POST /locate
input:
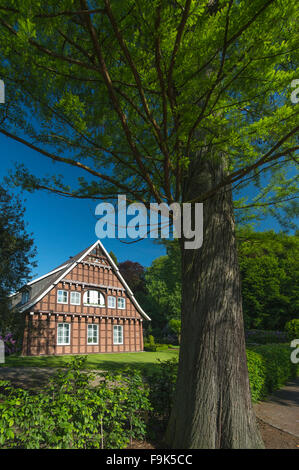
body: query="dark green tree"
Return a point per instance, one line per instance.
(16, 253)
(270, 278)
(184, 101)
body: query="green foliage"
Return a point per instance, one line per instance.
(175, 326)
(16, 258)
(150, 344)
(70, 413)
(162, 382)
(270, 278)
(265, 337)
(292, 328)
(269, 368)
(163, 285)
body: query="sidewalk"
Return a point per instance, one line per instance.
(281, 409)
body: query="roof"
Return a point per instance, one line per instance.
(42, 285)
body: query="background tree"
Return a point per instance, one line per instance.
(186, 101)
(270, 277)
(16, 254)
(176, 326)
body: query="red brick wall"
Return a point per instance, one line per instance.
(40, 335)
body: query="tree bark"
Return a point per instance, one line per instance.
(212, 406)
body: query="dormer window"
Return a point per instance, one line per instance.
(25, 296)
(94, 298)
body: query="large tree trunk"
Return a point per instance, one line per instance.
(212, 407)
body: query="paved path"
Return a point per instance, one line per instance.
(282, 408)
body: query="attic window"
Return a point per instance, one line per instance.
(94, 298)
(25, 296)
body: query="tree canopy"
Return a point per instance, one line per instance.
(16, 250)
(128, 94)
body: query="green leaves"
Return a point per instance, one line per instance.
(71, 412)
(151, 88)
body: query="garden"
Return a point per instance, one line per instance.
(113, 400)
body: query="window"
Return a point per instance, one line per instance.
(62, 296)
(25, 296)
(111, 301)
(75, 298)
(121, 302)
(117, 334)
(63, 333)
(94, 298)
(92, 334)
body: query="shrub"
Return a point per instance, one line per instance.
(292, 329)
(162, 385)
(69, 413)
(265, 336)
(9, 344)
(150, 345)
(269, 368)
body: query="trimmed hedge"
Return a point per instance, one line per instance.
(269, 368)
(265, 336)
(292, 329)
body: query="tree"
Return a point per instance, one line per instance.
(133, 274)
(163, 289)
(186, 101)
(113, 257)
(270, 278)
(176, 326)
(16, 253)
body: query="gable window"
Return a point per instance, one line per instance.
(94, 298)
(75, 298)
(92, 334)
(118, 334)
(111, 301)
(25, 296)
(62, 296)
(63, 333)
(121, 302)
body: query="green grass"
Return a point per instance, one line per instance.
(108, 362)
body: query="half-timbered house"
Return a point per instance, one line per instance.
(83, 306)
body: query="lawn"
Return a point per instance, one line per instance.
(109, 362)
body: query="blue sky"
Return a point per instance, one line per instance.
(62, 227)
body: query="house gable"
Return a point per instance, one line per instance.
(92, 268)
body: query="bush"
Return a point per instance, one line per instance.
(9, 344)
(69, 413)
(292, 329)
(269, 368)
(265, 336)
(162, 385)
(150, 345)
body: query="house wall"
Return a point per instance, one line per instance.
(40, 334)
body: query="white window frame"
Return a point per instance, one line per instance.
(85, 296)
(110, 297)
(118, 328)
(92, 336)
(124, 303)
(63, 334)
(75, 294)
(67, 296)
